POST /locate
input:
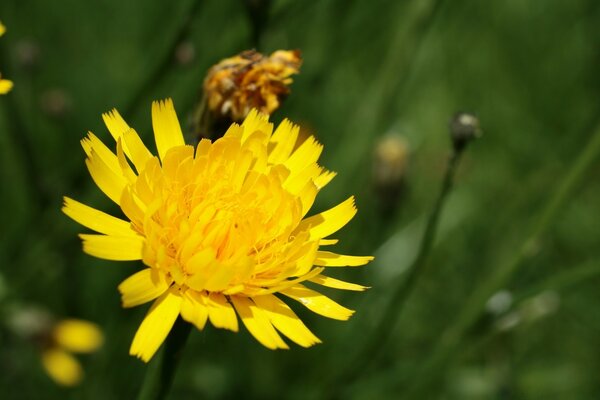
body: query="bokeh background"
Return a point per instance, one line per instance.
(528, 69)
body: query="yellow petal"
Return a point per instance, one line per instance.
(156, 326)
(108, 181)
(115, 123)
(78, 336)
(307, 153)
(2, 29)
(220, 312)
(285, 137)
(330, 221)
(318, 303)
(5, 86)
(324, 178)
(143, 286)
(284, 319)
(167, 132)
(117, 248)
(91, 142)
(256, 121)
(336, 283)
(329, 259)
(257, 323)
(62, 367)
(96, 220)
(194, 310)
(327, 242)
(139, 153)
(124, 166)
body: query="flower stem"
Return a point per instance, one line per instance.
(160, 372)
(449, 343)
(404, 289)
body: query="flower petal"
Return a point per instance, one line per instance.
(194, 310)
(284, 138)
(167, 131)
(96, 220)
(115, 123)
(111, 183)
(336, 283)
(78, 336)
(318, 303)
(139, 153)
(257, 323)
(142, 287)
(91, 142)
(62, 367)
(117, 248)
(307, 153)
(330, 221)
(285, 320)
(156, 326)
(220, 312)
(329, 259)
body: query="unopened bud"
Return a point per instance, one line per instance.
(28, 54)
(55, 103)
(389, 167)
(464, 127)
(185, 53)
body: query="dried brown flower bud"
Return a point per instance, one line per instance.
(250, 80)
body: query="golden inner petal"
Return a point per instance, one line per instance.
(211, 225)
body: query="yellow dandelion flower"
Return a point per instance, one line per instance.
(5, 84)
(250, 80)
(69, 336)
(221, 227)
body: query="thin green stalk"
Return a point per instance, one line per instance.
(398, 299)
(161, 370)
(474, 306)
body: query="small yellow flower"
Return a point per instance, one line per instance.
(221, 227)
(5, 84)
(69, 336)
(250, 80)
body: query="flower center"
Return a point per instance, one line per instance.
(214, 227)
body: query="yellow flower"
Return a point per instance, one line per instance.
(69, 336)
(5, 84)
(250, 80)
(221, 227)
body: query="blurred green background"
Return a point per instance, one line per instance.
(528, 69)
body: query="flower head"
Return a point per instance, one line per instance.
(5, 84)
(221, 227)
(250, 80)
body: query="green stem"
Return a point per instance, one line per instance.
(160, 372)
(449, 342)
(404, 289)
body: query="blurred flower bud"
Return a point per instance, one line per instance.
(464, 127)
(185, 52)
(541, 305)
(250, 80)
(55, 103)
(28, 54)
(30, 323)
(499, 303)
(389, 167)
